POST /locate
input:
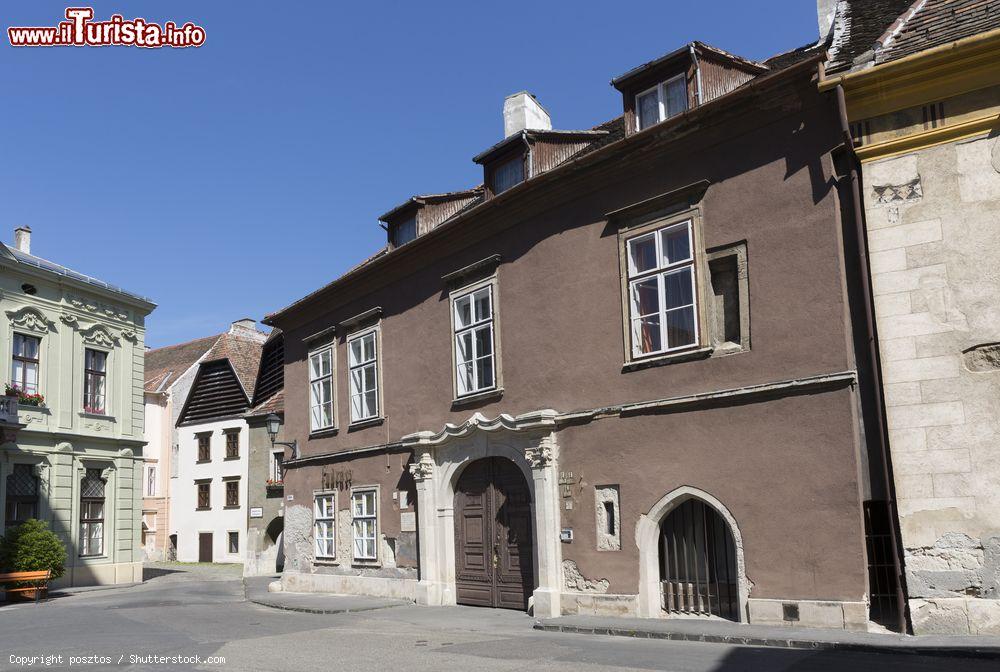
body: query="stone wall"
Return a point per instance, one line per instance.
(934, 236)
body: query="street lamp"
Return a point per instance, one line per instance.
(273, 424)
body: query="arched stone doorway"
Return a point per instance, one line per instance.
(698, 563)
(494, 550)
(672, 516)
(274, 532)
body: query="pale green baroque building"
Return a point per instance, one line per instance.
(75, 460)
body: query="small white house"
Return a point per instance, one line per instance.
(208, 494)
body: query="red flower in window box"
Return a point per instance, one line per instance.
(23, 398)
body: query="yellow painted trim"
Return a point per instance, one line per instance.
(925, 139)
(965, 65)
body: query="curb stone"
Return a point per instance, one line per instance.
(812, 645)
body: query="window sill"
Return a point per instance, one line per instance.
(364, 424)
(202, 461)
(322, 433)
(367, 564)
(203, 508)
(478, 397)
(230, 507)
(326, 562)
(32, 407)
(230, 459)
(97, 416)
(668, 358)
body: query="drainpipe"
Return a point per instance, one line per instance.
(866, 294)
(697, 71)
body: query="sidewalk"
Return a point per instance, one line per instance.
(698, 630)
(313, 603)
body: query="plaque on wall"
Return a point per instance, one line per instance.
(256, 512)
(408, 521)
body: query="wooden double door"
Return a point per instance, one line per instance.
(494, 555)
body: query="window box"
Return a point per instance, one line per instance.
(271, 486)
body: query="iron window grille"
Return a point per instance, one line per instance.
(22, 495)
(204, 448)
(204, 496)
(232, 445)
(232, 493)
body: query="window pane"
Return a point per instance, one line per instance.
(678, 288)
(646, 297)
(649, 109)
(483, 310)
(370, 404)
(675, 97)
(464, 347)
(357, 381)
(369, 377)
(465, 378)
(642, 253)
(31, 378)
(463, 312)
(680, 327)
(676, 244)
(356, 352)
(484, 341)
(646, 334)
(369, 347)
(357, 409)
(484, 371)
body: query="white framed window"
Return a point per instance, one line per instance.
(665, 100)
(24, 364)
(321, 388)
(362, 360)
(662, 298)
(364, 514)
(277, 466)
(151, 473)
(324, 524)
(475, 341)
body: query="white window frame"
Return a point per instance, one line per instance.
(151, 472)
(365, 515)
(375, 334)
(330, 519)
(313, 404)
(273, 463)
(662, 269)
(38, 362)
(661, 97)
(492, 322)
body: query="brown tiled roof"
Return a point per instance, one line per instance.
(243, 352)
(274, 404)
(857, 26)
(165, 365)
(931, 23)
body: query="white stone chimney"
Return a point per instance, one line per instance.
(22, 239)
(247, 328)
(522, 111)
(826, 11)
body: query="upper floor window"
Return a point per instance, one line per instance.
(232, 492)
(661, 290)
(24, 371)
(151, 480)
(475, 365)
(404, 231)
(508, 174)
(232, 444)
(663, 101)
(321, 389)
(94, 380)
(204, 494)
(277, 471)
(363, 373)
(204, 448)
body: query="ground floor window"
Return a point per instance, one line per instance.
(234, 542)
(324, 525)
(92, 513)
(22, 495)
(365, 525)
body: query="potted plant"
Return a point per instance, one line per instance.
(23, 398)
(32, 547)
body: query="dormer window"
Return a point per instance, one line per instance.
(508, 174)
(665, 100)
(404, 231)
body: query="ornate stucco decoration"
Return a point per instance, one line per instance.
(100, 335)
(42, 471)
(30, 318)
(423, 468)
(92, 306)
(534, 420)
(69, 320)
(130, 335)
(542, 454)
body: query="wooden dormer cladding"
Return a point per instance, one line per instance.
(707, 72)
(428, 212)
(216, 393)
(271, 376)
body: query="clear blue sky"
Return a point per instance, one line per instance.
(229, 180)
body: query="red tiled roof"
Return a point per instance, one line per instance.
(932, 23)
(165, 365)
(243, 349)
(274, 404)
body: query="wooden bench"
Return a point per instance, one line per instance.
(38, 581)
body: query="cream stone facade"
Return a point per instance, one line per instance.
(75, 450)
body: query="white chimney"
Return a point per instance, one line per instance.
(22, 239)
(826, 11)
(522, 111)
(245, 323)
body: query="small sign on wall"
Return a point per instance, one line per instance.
(407, 521)
(256, 512)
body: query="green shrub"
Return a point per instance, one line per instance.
(31, 547)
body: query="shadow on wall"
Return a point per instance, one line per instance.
(742, 658)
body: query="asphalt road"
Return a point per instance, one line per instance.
(199, 611)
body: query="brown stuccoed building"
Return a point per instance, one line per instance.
(625, 375)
